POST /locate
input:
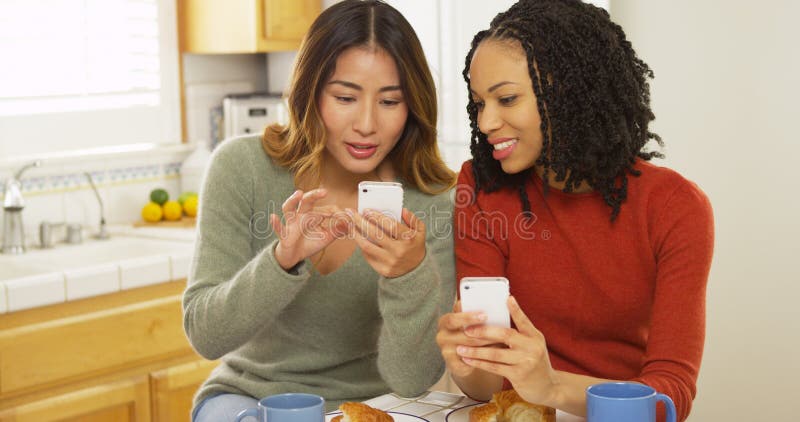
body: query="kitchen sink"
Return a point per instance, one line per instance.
(130, 259)
(92, 252)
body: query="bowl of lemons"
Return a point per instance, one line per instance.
(161, 209)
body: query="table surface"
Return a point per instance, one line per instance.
(434, 406)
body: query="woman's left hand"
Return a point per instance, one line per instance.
(393, 248)
(524, 362)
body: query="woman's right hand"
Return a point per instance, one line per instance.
(307, 229)
(451, 335)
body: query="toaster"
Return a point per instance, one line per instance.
(251, 113)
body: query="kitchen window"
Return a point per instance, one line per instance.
(83, 74)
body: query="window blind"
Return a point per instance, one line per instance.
(81, 74)
(70, 55)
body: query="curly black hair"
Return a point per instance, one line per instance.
(594, 100)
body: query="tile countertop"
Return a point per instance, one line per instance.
(130, 258)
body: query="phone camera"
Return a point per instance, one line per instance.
(364, 190)
(466, 287)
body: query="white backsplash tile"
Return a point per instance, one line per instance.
(123, 203)
(81, 207)
(38, 208)
(39, 290)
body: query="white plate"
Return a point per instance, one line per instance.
(462, 415)
(398, 417)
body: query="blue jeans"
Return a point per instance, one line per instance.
(222, 408)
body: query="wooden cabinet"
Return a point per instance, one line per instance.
(172, 389)
(117, 357)
(124, 400)
(244, 26)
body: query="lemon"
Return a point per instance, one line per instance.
(159, 196)
(152, 212)
(184, 196)
(172, 211)
(190, 206)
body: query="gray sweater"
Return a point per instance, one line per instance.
(347, 336)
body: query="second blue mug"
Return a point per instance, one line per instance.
(625, 402)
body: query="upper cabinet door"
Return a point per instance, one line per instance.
(244, 26)
(287, 20)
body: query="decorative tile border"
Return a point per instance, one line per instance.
(55, 183)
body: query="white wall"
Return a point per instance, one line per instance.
(725, 97)
(208, 78)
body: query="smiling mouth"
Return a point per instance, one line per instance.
(503, 145)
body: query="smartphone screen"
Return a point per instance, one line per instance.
(386, 197)
(486, 294)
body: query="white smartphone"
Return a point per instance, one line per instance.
(486, 294)
(386, 197)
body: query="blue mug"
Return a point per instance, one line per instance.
(287, 407)
(625, 402)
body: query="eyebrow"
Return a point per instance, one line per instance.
(495, 86)
(360, 88)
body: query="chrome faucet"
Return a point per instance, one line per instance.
(103, 233)
(13, 204)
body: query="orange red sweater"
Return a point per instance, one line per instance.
(621, 300)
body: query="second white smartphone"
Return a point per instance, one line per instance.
(386, 197)
(486, 294)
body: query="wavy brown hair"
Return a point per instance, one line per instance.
(299, 146)
(594, 103)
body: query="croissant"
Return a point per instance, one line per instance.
(360, 412)
(508, 406)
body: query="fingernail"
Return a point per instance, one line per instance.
(481, 317)
(470, 331)
(461, 350)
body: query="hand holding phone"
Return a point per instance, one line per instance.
(385, 197)
(392, 245)
(488, 295)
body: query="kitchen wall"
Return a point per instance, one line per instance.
(58, 191)
(725, 98)
(208, 78)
